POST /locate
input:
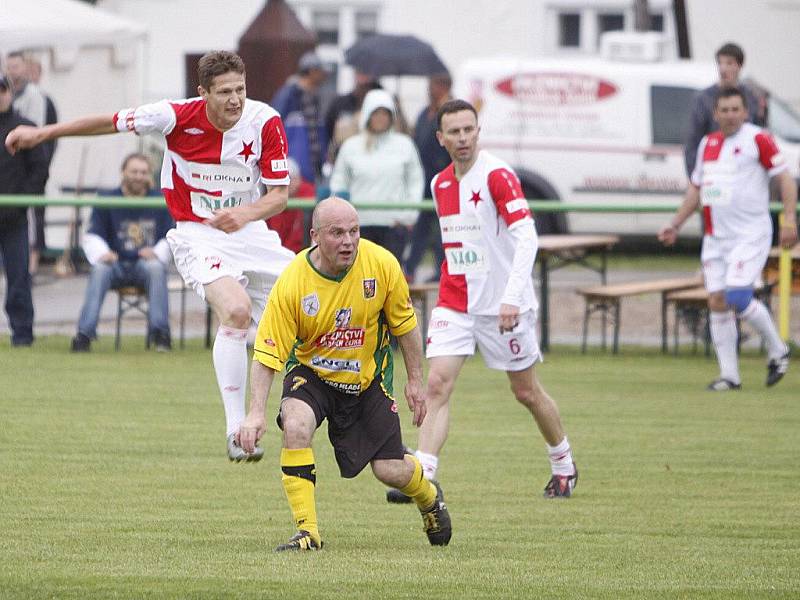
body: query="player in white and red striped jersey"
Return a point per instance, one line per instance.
(486, 294)
(222, 150)
(731, 180)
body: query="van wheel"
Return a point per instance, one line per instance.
(546, 222)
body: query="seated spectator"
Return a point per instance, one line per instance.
(127, 247)
(380, 165)
(290, 224)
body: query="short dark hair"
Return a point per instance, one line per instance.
(453, 106)
(16, 54)
(217, 62)
(135, 156)
(733, 50)
(730, 93)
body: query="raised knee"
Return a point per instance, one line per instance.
(739, 298)
(238, 314)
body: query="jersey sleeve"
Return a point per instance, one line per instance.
(274, 151)
(158, 117)
(697, 173)
(277, 330)
(769, 155)
(397, 307)
(508, 197)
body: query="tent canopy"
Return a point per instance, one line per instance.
(63, 26)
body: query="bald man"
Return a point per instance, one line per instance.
(328, 321)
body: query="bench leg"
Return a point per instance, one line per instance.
(120, 312)
(663, 322)
(586, 313)
(675, 328)
(616, 326)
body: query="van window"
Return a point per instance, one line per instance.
(670, 109)
(783, 121)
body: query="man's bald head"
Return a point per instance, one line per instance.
(330, 210)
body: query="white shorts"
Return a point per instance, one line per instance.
(253, 256)
(452, 333)
(732, 263)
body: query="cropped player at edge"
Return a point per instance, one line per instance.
(222, 149)
(328, 321)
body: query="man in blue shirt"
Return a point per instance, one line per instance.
(127, 247)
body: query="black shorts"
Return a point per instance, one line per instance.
(361, 427)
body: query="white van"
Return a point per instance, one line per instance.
(600, 130)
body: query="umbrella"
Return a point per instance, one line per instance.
(383, 54)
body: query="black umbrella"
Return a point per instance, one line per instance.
(384, 54)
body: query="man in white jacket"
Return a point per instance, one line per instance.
(380, 165)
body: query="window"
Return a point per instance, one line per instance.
(657, 22)
(366, 23)
(569, 30)
(326, 26)
(671, 110)
(782, 120)
(610, 22)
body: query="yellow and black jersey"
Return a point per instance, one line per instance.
(337, 326)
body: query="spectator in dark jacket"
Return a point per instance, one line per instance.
(730, 59)
(23, 173)
(127, 247)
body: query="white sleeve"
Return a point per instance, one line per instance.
(525, 246)
(158, 117)
(163, 252)
(94, 247)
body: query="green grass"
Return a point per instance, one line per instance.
(114, 484)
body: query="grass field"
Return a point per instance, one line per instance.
(114, 484)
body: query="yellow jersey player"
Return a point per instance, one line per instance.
(328, 321)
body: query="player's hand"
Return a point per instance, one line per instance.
(667, 235)
(23, 137)
(415, 396)
(109, 257)
(788, 235)
(227, 220)
(250, 432)
(508, 319)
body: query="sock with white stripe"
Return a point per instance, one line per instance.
(725, 336)
(561, 458)
(230, 364)
(429, 462)
(757, 315)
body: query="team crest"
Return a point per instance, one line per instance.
(342, 319)
(369, 288)
(310, 304)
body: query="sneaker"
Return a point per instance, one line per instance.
(776, 369)
(236, 452)
(81, 343)
(162, 341)
(301, 540)
(561, 486)
(723, 385)
(436, 521)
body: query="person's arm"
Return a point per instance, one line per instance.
(95, 243)
(25, 136)
(255, 423)
(268, 205)
(342, 177)
(697, 129)
(415, 176)
(411, 346)
(691, 200)
(37, 166)
(525, 244)
(788, 188)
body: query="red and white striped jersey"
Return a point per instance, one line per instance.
(205, 169)
(733, 176)
(478, 217)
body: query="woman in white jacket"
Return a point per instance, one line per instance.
(380, 165)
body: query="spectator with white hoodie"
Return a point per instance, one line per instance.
(380, 165)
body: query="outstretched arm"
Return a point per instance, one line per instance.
(25, 136)
(669, 233)
(411, 347)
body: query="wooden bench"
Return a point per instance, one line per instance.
(607, 299)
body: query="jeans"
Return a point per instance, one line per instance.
(427, 223)
(149, 274)
(19, 302)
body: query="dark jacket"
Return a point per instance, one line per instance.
(432, 155)
(23, 173)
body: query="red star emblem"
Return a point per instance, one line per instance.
(216, 265)
(428, 340)
(737, 150)
(476, 197)
(247, 151)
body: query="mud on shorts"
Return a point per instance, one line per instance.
(361, 427)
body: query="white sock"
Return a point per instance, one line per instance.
(724, 335)
(230, 364)
(429, 464)
(757, 315)
(561, 458)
